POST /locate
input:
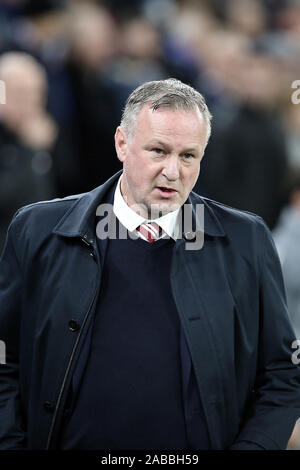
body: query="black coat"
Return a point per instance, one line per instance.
(230, 300)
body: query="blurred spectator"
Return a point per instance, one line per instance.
(294, 441)
(246, 160)
(222, 60)
(187, 35)
(27, 136)
(139, 57)
(93, 43)
(247, 16)
(242, 54)
(287, 240)
(291, 115)
(92, 35)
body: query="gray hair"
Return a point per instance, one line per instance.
(170, 93)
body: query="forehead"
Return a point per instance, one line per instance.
(166, 122)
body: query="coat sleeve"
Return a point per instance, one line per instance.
(12, 432)
(275, 405)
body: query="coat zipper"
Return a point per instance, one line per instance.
(92, 253)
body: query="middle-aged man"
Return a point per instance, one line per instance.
(122, 334)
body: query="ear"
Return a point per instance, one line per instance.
(121, 144)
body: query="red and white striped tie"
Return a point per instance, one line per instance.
(149, 232)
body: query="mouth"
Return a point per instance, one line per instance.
(165, 191)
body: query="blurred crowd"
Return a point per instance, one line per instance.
(69, 65)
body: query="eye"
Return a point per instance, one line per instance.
(188, 156)
(158, 151)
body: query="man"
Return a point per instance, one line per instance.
(147, 343)
(27, 137)
(286, 237)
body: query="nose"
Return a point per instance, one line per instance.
(171, 168)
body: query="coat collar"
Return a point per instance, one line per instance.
(78, 221)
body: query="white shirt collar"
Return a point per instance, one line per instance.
(131, 220)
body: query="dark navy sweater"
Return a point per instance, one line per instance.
(131, 391)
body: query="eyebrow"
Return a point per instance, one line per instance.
(162, 144)
(157, 142)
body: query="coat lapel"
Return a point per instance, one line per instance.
(206, 308)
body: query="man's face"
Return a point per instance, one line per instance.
(161, 161)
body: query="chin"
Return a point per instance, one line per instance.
(164, 208)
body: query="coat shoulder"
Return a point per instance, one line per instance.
(43, 215)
